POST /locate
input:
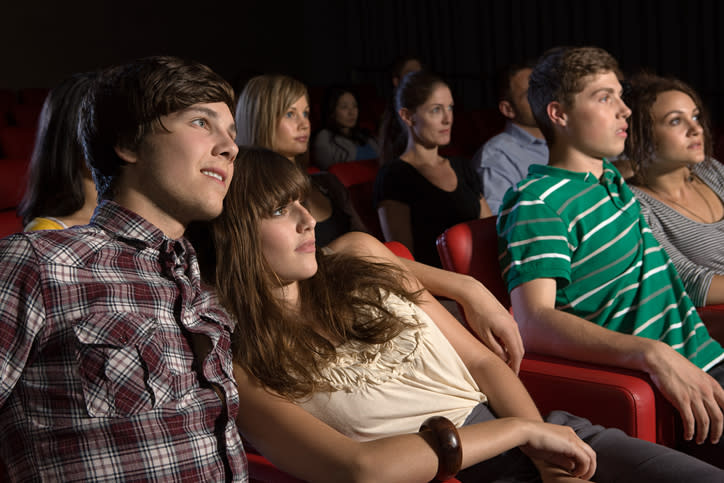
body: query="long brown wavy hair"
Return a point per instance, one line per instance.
(285, 348)
(640, 146)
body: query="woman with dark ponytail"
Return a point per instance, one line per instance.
(420, 194)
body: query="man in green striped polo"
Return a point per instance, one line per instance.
(588, 280)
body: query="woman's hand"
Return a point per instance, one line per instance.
(559, 446)
(495, 327)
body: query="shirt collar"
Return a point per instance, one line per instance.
(128, 225)
(521, 135)
(610, 173)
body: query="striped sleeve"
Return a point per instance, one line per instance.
(696, 278)
(533, 240)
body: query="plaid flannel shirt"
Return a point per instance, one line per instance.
(99, 379)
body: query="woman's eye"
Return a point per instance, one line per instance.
(279, 211)
(289, 114)
(675, 121)
(696, 117)
(306, 114)
(436, 109)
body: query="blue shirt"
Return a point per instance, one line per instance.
(504, 161)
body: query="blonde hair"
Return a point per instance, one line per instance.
(262, 103)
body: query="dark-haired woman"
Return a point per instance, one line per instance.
(680, 187)
(60, 192)
(342, 139)
(340, 358)
(421, 194)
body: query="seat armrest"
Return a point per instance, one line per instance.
(606, 395)
(261, 470)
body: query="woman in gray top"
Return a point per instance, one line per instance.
(680, 187)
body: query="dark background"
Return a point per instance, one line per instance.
(327, 41)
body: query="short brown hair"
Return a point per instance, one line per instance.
(127, 102)
(559, 75)
(640, 97)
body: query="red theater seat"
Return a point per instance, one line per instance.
(12, 186)
(359, 178)
(16, 142)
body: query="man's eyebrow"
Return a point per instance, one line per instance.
(203, 110)
(212, 114)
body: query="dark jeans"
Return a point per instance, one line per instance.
(620, 458)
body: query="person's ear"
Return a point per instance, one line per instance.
(126, 154)
(506, 109)
(406, 116)
(557, 114)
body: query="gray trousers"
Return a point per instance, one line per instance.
(620, 458)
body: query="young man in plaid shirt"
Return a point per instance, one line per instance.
(115, 364)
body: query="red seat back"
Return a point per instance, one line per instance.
(359, 178)
(12, 187)
(472, 248)
(17, 142)
(12, 182)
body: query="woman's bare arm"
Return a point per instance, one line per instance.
(300, 444)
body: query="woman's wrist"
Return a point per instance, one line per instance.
(447, 446)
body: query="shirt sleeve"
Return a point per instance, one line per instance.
(22, 312)
(696, 278)
(532, 240)
(392, 183)
(322, 150)
(498, 174)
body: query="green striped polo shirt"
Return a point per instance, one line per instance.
(589, 235)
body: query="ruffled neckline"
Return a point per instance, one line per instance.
(360, 365)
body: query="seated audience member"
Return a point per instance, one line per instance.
(341, 140)
(421, 194)
(504, 160)
(116, 364)
(588, 280)
(337, 391)
(392, 139)
(678, 185)
(273, 112)
(60, 190)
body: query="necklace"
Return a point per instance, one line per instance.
(668, 198)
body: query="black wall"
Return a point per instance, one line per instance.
(336, 40)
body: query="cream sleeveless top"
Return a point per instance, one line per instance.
(391, 388)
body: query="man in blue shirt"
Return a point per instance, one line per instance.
(504, 160)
